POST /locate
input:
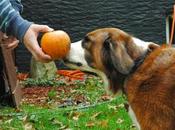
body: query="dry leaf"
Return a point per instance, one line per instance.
(8, 121)
(90, 124)
(76, 115)
(95, 115)
(22, 76)
(103, 123)
(24, 119)
(119, 121)
(112, 107)
(75, 118)
(68, 129)
(64, 127)
(121, 105)
(29, 126)
(56, 122)
(106, 97)
(60, 124)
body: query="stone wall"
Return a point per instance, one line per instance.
(144, 19)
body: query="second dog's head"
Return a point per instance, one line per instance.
(109, 50)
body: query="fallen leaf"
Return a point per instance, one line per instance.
(68, 129)
(24, 119)
(64, 127)
(112, 107)
(75, 118)
(17, 110)
(56, 122)
(103, 123)
(29, 126)
(76, 115)
(90, 124)
(119, 121)
(121, 105)
(8, 121)
(95, 115)
(22, 76)
(106, 97)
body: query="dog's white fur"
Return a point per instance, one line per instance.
(77, 53)
(133, 117)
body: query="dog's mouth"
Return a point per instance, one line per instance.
(71, 63)
(77, 65)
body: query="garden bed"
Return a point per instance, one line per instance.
(63, 91)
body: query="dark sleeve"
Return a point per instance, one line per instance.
(16, 4)
(11, 21)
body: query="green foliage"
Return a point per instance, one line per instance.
(52, 94)
(43, 82)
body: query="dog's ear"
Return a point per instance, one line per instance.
(152, 46)
(108, 43)
(109, 62)
(108, 53)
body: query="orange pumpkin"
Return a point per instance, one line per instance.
(56, 44)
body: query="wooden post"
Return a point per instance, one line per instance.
(10, 76)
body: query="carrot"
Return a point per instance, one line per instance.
(72, 74)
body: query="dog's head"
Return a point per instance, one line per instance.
(109, 50)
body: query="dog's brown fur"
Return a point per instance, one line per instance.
(150, 88)
(97, 45)
(151, 91)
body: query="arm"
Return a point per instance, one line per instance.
(16, 4)
(11, 22)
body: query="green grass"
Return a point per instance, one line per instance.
(94, 113)
(103, 116)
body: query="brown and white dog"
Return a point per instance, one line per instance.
(143, 70)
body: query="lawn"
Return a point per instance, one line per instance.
(64, 104)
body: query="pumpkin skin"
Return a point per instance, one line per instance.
(56, 44)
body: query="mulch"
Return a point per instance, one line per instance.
(60, 96)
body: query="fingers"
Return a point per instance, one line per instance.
(31, 43)
(9, 42)
(42, 57)
(42, 28)
(39, 55)
(13, 44)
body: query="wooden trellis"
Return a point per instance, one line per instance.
(10, 77)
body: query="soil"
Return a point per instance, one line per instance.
(60, 96)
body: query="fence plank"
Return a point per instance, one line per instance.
(11, 78)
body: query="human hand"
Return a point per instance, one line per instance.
(10, 42)
(31, 43)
